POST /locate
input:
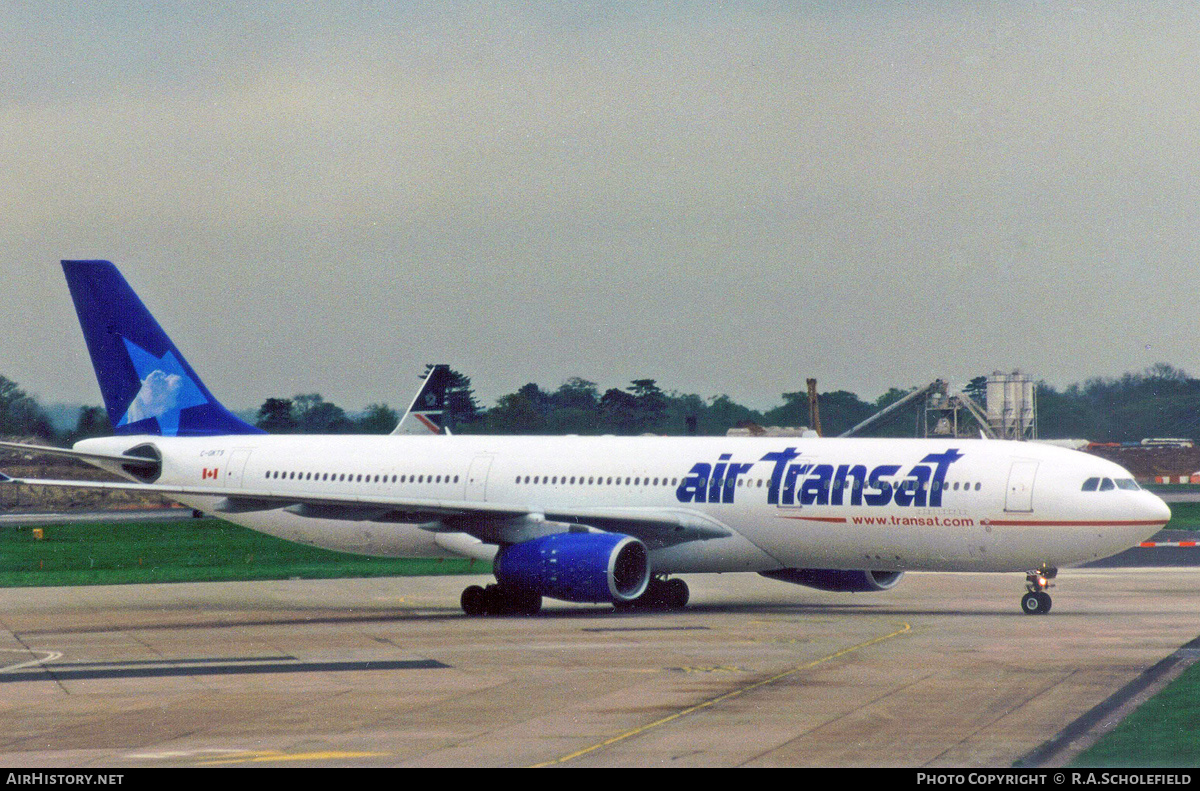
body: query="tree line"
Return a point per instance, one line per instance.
(1161, 401)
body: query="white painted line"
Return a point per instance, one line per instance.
(50, 657)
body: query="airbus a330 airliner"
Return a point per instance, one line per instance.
(601, 519)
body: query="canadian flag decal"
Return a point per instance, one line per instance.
(207, 473)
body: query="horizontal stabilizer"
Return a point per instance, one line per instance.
(136, 461)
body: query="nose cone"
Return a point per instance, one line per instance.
(1146, 518)
(1141, 519)
(1156, 510)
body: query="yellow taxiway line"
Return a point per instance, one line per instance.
(714, 701)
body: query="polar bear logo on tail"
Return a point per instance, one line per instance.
(159, 395)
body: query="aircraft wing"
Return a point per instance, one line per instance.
(490, 522)
(654, 526)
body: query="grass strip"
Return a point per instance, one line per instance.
(197, 550)
(1171, 488)
(1184, 516)
(110, 553)
(1160, 733)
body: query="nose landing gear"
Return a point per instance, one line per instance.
(1036, 601)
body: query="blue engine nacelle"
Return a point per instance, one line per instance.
(839, 580)
(579, 567)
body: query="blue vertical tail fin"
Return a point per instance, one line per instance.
(147, 385)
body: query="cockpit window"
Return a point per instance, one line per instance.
(1108, 484)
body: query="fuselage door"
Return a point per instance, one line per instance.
(803, 483)
(477, 476)
(1019, 496)
(235, 468)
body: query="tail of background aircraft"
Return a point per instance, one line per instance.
(147, 385)
(426, 414)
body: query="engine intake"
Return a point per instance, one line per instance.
(838, 580)
(578, 567)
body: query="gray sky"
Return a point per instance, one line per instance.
(322, 197)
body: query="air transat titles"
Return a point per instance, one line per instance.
(797, 481)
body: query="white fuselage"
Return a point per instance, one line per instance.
(879, 504)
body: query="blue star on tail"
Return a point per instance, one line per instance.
(166, 390)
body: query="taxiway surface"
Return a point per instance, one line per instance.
(943, 670)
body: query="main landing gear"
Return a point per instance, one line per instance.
(499, 600)
(661, 594)
(1036, 601)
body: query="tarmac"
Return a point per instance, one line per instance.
(942, 671)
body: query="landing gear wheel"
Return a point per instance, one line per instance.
(499, 600)
(494, 600)
(474, 601)
(1036, 603)
(660, 594)
(526, 602)
(677, 594)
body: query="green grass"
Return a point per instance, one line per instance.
(1184, 516)
(1161, 732)
(211, 549)
(1164, 488)
(184, 551)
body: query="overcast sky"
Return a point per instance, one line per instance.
(323, 197)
